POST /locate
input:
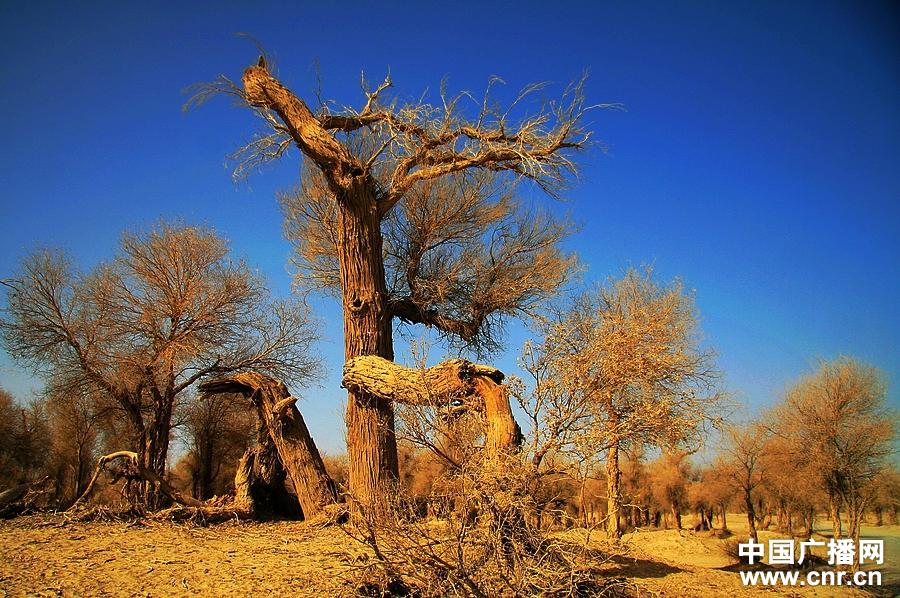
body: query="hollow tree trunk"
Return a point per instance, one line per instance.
(285, 425)
(613, 492)
(371, 443)
(259, 482)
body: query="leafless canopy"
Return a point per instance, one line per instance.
(462, 253)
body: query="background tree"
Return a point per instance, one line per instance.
(218, 429)
(744, 449)
(623, 367)
(670, 475)
(394, 265)
(73, 416)
(170, 309)
(838, 416)
(886, 498)
(23, 456)
(716, 491)
(791, 479)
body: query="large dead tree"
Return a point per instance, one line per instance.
(371, 160)
(284, 448)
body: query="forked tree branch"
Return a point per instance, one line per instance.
(262, 90)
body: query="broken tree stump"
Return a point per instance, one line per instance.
(259, 481)
(284, 423)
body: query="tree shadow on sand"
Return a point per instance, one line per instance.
(642, 568)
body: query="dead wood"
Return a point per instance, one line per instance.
(295, 447)
(26, 497)
(455, 385)
(134, 471)
(259, 482)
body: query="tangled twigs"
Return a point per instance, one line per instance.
(134, 470)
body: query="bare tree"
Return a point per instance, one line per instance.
(837, 419)
(744, 449)
(169, 310)
(22, 431)
(452, 257)
(218, 429)
(74, 421)
(624, 367)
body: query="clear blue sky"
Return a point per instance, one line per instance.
(759, 156)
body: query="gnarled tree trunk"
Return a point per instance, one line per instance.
(289, 434)
(371, 443)
(259, 481)
(454, 385)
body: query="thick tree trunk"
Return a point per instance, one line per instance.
(371, 443)
(289, 434)
(613, 492)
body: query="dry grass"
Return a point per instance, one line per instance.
(48, 555)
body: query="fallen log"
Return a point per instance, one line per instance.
(455, 385)
(284, 423)
(25, 497)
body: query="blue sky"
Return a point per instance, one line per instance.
(757, 158)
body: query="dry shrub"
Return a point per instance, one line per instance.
(486, 546)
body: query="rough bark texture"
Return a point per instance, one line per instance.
(751, 515)
(371, 443)
(455, 384)
(835, 514)
(289, 434)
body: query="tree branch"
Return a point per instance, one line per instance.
(262, 90)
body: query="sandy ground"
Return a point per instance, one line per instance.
(50, 556)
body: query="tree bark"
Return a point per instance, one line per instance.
(259, 482)
(371, 443)
(285, 425)
(751, 515)
(455, 385)
(613, 491)
(835, 513)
